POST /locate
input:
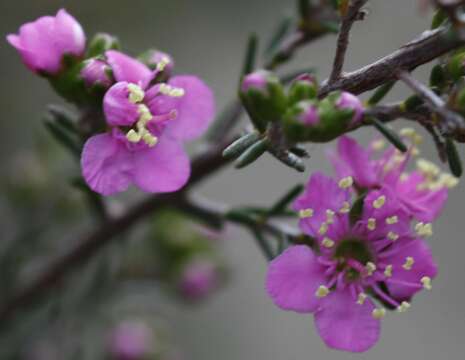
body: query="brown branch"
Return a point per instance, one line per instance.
(429, 46)
(343, 38)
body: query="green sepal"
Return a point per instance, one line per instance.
(252, 153)
(453, 157)
(240, 145)
(102, 42)
(302, 90)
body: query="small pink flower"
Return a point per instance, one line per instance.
(377, 257)
(257, 80)
(131, 341)
(96, 72)
(147, 125)
(43, 43)
(422, 193)
(198, 280)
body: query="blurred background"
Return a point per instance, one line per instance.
(205, 37)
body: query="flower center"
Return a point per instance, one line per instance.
(351, 252)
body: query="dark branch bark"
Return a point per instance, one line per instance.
(429, 46)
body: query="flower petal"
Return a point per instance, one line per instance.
(345, 325)
(355, 161)
(106, 164)
(425, 205)
(424, 265)
(119, 111)
(126, 68)
(322, 193)
(163, 168)
(293, 278)
(69, 35)
(195, 110)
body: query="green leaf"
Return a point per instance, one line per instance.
(380, 93)
(282, 204)
(438, 19)
(412, 102)
(64, 138)
(263, 244)
(390, 135)
(240, 145)
(453, 156)
(289, 159)
(357, 209)
(437, 77)
(252, 153)
(281, 30)
(250, 55)
(66, 119)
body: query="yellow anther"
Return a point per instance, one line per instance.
(409, 261)
(149, 139)
(136, 94)
(346, 182)
(371, 225)
(133, 136)
(378, 145)
(327, 242)
(370, 268)
(424, 230)
(323, 229)
(448, 180)
(388, 271)
(169, 90)
(345, 208)
(403, 307)
(378, 313)
(330, 216)
(428, 168)
(145, 114)
(322, 291)
(162, 64)
(361, 298)
(392, 236)
(412, 135)
(306, 213)
(426, 282)
(379, 202)
(392, 220)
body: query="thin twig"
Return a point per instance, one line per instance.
(343, 38)
(450, 120)
(429, 46)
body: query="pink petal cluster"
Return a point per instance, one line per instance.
(130, 341)
(422, 193)
(148, 121)
(43, 43)
(378, 257)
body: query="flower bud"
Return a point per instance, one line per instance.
(321, 121)
(97, 73)
(304, 87)
(45, 43)
(351, 102)
(263, 97)
(198, 279)
(131, 341)
(102, 42)
(152, 58)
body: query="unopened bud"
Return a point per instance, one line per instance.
(102, 42)
(96, 72)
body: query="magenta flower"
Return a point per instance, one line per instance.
(96, 72)
(422, 193)
(198, 279)
(43, 43)
(377, 257)
(131, 341)
(146, 126)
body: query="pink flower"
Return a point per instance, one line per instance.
(131, 341)
(376, 257)
(351, 102)
(43, 43)
(198, 280)
(96, 72)
(422, 193)
(147, 124)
